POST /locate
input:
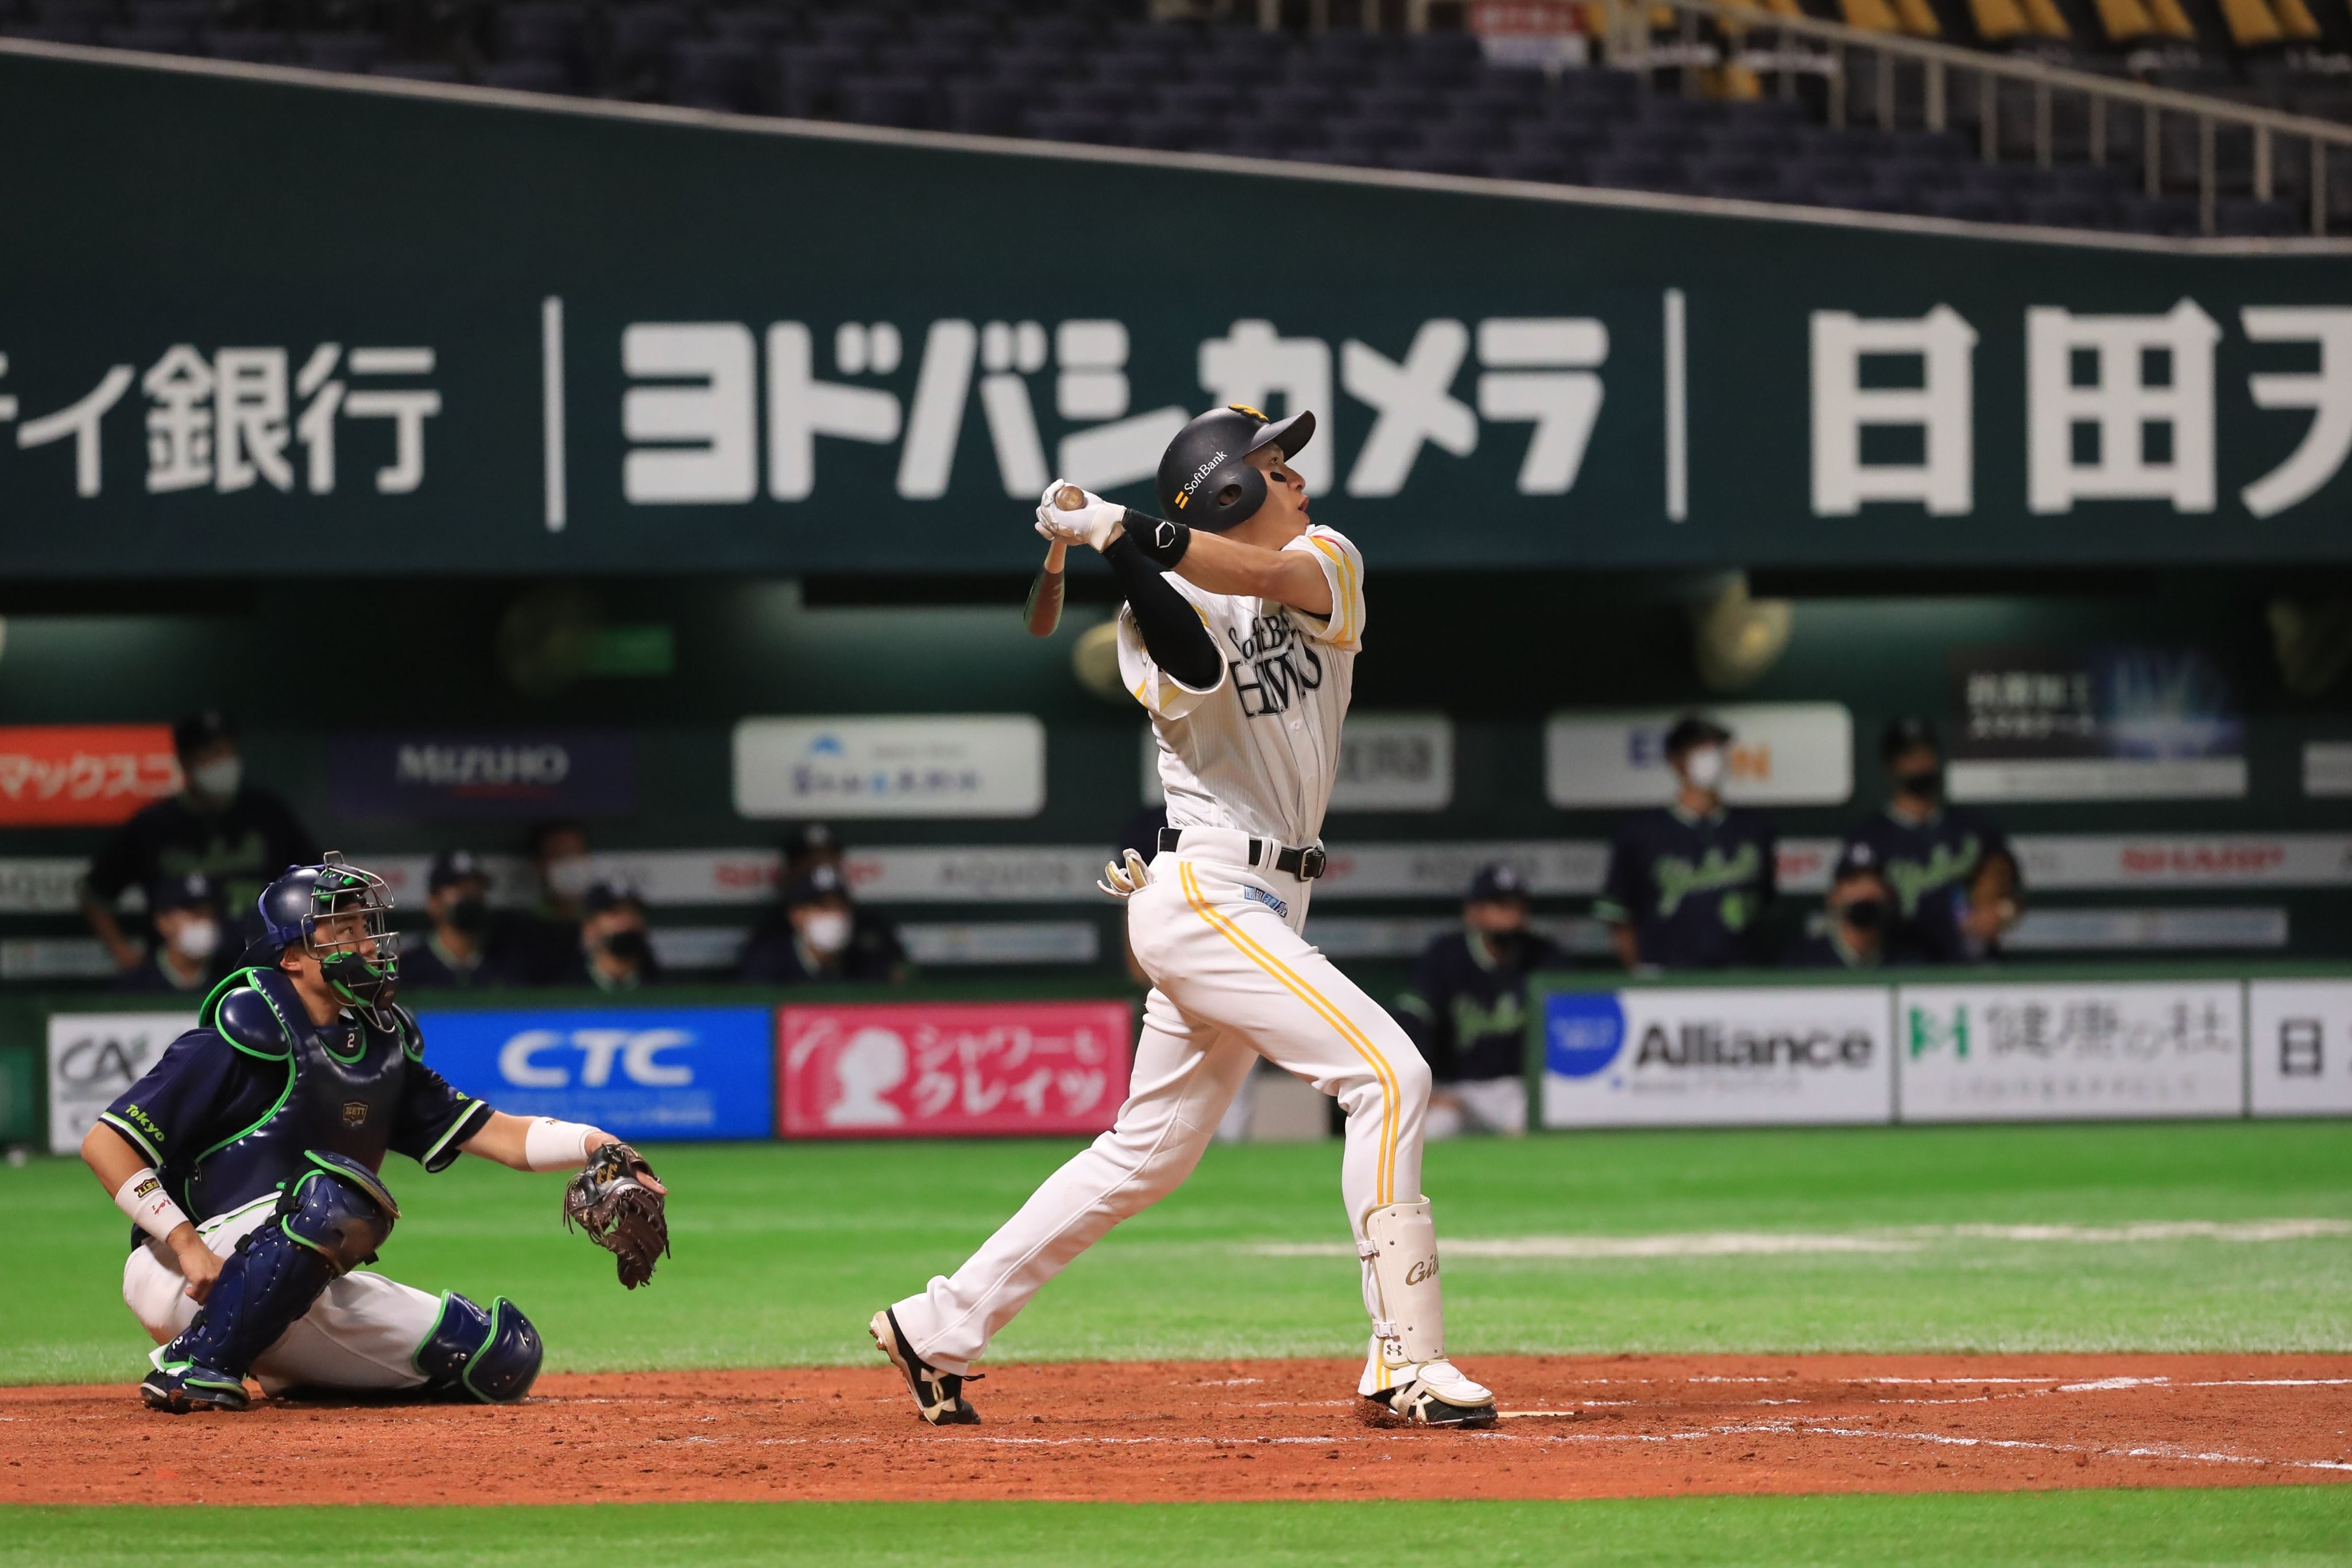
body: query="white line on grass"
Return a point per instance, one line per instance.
(1906, 1239)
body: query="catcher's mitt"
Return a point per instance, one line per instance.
(618, 1202)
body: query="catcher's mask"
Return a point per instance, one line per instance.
(343, 916)
(1206, 480)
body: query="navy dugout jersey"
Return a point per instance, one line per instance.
(1695, 889)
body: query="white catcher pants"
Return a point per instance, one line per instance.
(358, 1334)
(1232, 980)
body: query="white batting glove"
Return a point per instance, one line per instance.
(1125, 880)
(1097, 523)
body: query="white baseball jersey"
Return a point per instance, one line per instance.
(1257, 751)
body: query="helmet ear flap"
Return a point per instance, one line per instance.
(1238, 499)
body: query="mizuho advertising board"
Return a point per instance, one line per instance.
(1715, 1056)
(648, 1072)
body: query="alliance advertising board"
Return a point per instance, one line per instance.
(1715, 1056)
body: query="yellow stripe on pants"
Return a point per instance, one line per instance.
(1384, 1178)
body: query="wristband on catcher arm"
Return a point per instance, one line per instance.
(1163, 543)
(149, 1207)
(549, 1145)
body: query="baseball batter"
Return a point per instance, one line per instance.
(1239, 637)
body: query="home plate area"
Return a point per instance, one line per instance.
(1572, 1426)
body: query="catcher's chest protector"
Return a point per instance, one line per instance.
(342, 1092)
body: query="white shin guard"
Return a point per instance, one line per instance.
(1401, 1246)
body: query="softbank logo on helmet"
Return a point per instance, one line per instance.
(1201, 473)
(1583, 1033)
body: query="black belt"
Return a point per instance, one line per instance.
(1306, 865)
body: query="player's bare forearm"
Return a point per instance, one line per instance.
(1219, 565)
(110, 1159)
(502, 1139)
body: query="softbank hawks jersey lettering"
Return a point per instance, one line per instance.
(1257, 751)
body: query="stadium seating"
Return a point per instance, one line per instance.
(1425, 102)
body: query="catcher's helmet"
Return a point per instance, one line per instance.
(1205, 477)
(358, 953)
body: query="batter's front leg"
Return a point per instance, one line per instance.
(1185, 1075)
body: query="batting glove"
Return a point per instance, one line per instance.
(1097, 523)
(1125, 880)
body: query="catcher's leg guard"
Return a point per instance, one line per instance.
(492, 1356)
(1406, 1368)
(329, 1222)
(938, 1396)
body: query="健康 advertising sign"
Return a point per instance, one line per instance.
(638, 1072)
(2063, 1050)
(93, 1058)
(1709, 1056)
(953, 1070)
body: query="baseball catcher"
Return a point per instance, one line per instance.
(249, 1162)
(1239, 637)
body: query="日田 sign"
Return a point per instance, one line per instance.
(987, 765)
(949, 1070)
(82, 775)
(637, 1073)
(1781, 754)
(2003, 1052)
(2299, 1048)
(1705, 1056)
(94, 1057)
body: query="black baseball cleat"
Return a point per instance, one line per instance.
(179, 1389)
(939, 1394)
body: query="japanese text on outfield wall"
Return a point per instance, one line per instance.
(948, 1070)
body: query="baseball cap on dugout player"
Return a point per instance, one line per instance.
(1205, 477)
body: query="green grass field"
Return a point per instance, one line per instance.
(782, 1251)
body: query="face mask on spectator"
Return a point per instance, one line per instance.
(827, 931)
(198, 939)
(471, 915)
(1703, 765)
(218, 779)
(1864, 914)
(1922, 785)
(569, 876)
(629, 947)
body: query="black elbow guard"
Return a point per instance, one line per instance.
(1162, 542)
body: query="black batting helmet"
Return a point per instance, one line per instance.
(1205, 477)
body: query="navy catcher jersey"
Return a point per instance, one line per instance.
(224, 1122)
(1695, 889)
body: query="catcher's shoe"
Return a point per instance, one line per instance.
(1427, 1392)
(177, 1390)
(939, 1394)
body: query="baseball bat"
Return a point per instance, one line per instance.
(1045, 610)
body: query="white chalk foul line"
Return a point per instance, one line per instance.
(1907, 1238)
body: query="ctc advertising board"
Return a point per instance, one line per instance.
(1715, 1056)
(649, 1073)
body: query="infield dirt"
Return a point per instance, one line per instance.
(1166, 1431)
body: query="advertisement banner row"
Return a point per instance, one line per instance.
(1986, 1051)
(934, 1069)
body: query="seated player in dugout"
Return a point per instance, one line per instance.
(1690, 885)
(1856, 927)
(818, 939)
(1467, 1007)
(615, 950)
(1239, 634)
(1952, 872)
(186, 957)
(461, 948)
(249, 1162)
(220, 824)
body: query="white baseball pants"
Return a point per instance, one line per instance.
(1232, 980)
(358, 1334)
